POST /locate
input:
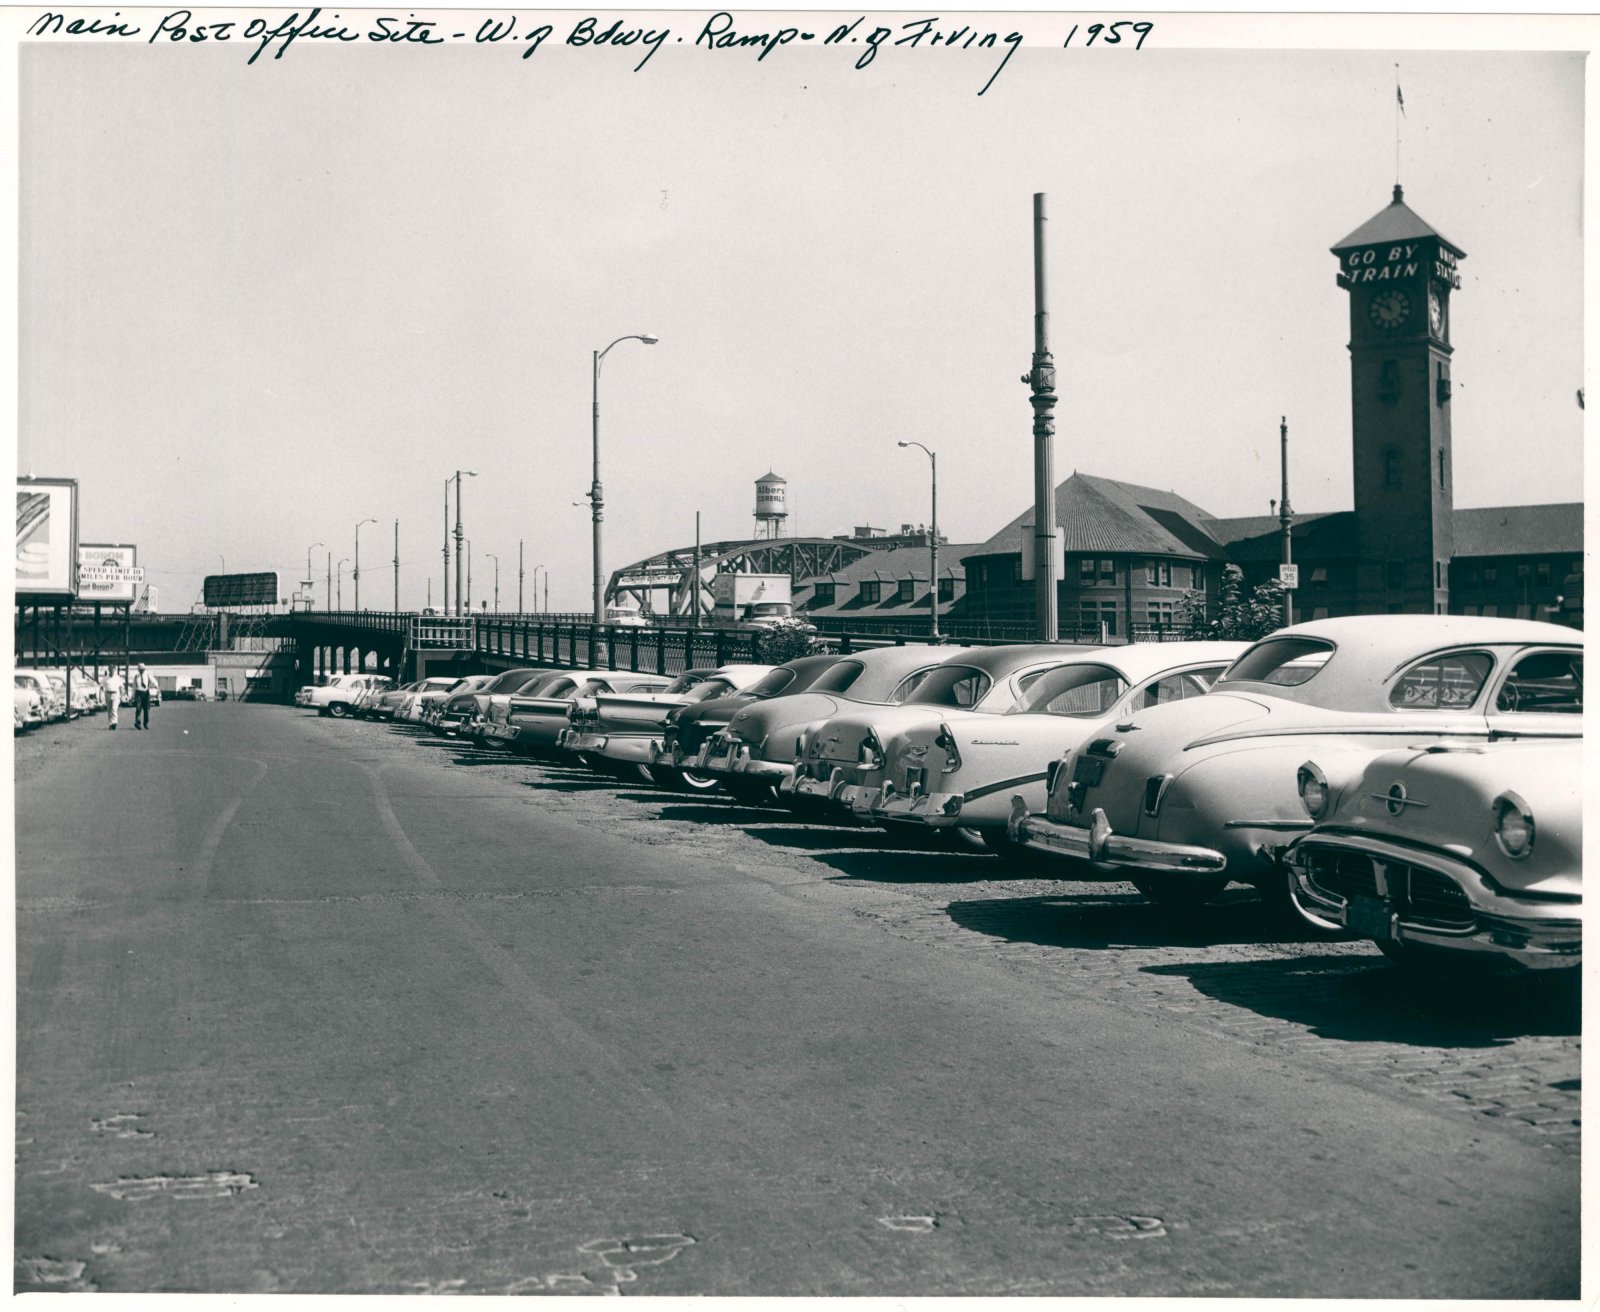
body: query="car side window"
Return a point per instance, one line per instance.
(1449, 682)
(1176, 687)
(1550, 681)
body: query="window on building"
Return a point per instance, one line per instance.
(947, 589)
(1491, 611)
(1160, 614)
(1158, 573)
(822, 594)
(1319, 612)
(1524, 572)
(1438, 574)
(1442, 683)
(1092, 614)
(1319, 577)
(1394, 574)
(1544, 681)
(1469, 575)
(1016, 570)
(871, 590)
(1108, 571)
(1391, 466)
(1491, 576)
(1086, 569)
(1542, 573)
(907, 591)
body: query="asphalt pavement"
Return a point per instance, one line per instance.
(317, 1006)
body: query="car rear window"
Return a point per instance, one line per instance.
(1081, 690)
(1447, 682)
(951, 685)
(839, 677)
(1177, 687)
(683, 683)
(710, 690)
(1283, 662)
(1550, 681)
(770, 685)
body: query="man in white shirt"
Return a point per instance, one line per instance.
(143, 681)
(113, 691)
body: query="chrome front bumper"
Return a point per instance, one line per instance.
(1100, 846)
(1533, 934)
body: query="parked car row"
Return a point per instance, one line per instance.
(41, 696)
(1413, 780)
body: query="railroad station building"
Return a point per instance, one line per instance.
(1131, 552)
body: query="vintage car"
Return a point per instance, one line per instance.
(383, 702)
(844, 757)
(1183, 799)
(959, 768)
(431, 713)
(617, 732)
(457, 710)
(689, 727)
(51, 707)
(337, 697)
(755, 754)
(410, 709)
(29, 706)
(1451, 853)
(531, 721)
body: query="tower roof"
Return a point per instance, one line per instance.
(1396, 221)
(770, 477)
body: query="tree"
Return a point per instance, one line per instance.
(1238, 616)
(787, 640)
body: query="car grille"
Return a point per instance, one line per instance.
(1418, 894)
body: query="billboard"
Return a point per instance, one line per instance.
(47, 537)
(242, 589)
(108, 572)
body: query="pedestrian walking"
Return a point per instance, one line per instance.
(143, 681)
(113, 691)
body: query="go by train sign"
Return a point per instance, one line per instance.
(1390, 261)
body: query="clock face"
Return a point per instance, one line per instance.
(1436, 311)
(1389, 309)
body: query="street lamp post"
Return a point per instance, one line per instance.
(519, 576)
(496, 560)
(596, 497)
(445, 595)
(310, 578)
(933, 533)
(536, 570)
(356, 573)
(338, 574)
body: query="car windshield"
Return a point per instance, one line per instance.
(1077, 690)
(710, 690)
(1283, 662)
(683, 683)
(839, 677)
(770, 685)
(951, 685)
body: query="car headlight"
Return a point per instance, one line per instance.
(1513, 826)
(1313, 790)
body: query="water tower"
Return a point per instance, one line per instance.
(771, 506)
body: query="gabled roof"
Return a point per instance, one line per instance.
(1519, 530)
(1326, 535)
(1102, 514)
(1397, 221)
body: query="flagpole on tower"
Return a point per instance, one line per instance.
(1399, 112)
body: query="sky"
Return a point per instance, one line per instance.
(259, 303)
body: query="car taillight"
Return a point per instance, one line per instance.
(870, 753)
(946, 743)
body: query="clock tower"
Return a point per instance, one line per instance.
(1400, 273)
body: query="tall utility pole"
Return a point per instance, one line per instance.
(397, 567)
(596, 496)
(357, 576)
(469, 568)
(1285, 515)
(519, 576)
(459, 535)
(1042, 380)
(445, 595)
(496, 560)
(933, 537)
(330, 579)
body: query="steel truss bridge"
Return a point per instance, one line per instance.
(673, 572)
